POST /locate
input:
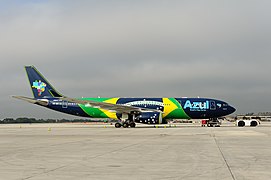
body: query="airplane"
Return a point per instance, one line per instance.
(127, 111)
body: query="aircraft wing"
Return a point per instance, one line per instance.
(118, 108)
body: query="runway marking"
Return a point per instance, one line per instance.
(214, 137)
(45, 172)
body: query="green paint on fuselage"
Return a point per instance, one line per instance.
(175, 102)
(94, 112)
(178, 113)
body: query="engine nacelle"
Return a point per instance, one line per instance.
(150, 118)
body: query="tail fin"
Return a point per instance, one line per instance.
(41, 88)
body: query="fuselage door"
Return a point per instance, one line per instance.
(212, 105)
(64, 104)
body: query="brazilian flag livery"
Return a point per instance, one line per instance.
(170, 107)
(127, 110)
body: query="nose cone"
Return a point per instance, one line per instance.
(231, 109)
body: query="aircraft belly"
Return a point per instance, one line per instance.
(73, 110)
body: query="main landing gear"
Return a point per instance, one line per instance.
(125, 124)
(126, 121)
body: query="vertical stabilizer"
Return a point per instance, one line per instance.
(40, 87)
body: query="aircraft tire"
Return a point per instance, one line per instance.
(132, 125)
(117, 125)
(125, 125)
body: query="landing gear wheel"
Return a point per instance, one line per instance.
(125, 125)
(117, 125)
(132, 125)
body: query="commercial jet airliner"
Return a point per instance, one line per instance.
(128, 111)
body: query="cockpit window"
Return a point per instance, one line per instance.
(225, 104)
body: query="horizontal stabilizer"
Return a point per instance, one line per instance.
(43, 102)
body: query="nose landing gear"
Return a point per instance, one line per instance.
(213, 122)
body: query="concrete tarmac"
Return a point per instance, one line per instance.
(67, 151)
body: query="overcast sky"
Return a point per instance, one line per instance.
(170, 48)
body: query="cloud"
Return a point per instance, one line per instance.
(138, 48)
